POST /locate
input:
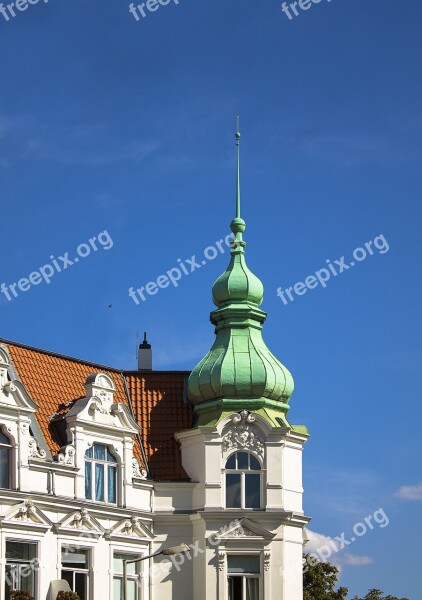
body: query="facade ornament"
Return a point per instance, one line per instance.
(24, 428)
(242, 436)
(102, 402)
(267, 560)
(9, 388)
(137, 472)
(34, 450)
(26, 511)
(130, 527)
(221, 560)
(80, 519)
(66, 455)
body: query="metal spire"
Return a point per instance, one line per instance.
(238, 169)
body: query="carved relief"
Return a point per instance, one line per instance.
(137, 472)
(241, 435)
(267, 560)
(66, 455)
(81, 519)
(27, 512)
(34, 450)
(221, 560)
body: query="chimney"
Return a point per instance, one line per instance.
(145, 355)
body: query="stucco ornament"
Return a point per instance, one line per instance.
(241, 436)
(26, 512)
(137, 472)
(80, 519)
(66, 455)
(130, 527)
(34, 450)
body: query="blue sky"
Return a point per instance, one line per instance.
(108, 123)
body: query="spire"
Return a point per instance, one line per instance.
(238, 225)
(239, 372)
(238, 170)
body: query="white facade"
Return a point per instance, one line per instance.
(50, 528)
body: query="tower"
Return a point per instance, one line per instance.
(242, 452)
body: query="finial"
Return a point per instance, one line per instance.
(238, 224)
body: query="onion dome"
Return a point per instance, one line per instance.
(239, 372)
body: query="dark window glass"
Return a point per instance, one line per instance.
(252, 490)
(254, 463)
(242, 460)
(4, 467)
(243, 563)
(235, 588)
(100, 474)
(4, 439)
(233, 491)
(231, 463)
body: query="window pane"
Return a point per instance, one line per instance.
(131, 589)
(235, 588)
(99, 482)
(74, 558)
(242, 460)
(252, 491)
(20, 551)
(4, 467)
(252, 588)
(117, 589)
(110, 457)
(231, 463)
(88, 480)
(99, 452)
(88, 453)
(81, 581)
(4, 439)
(118, 564)
(68, 576)
(243, 563)
(254, 463)
(112, 484)
(233, 491)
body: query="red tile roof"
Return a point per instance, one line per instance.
(55, 382)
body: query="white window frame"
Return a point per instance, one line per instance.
(21, 562)
(93, 461)
(87, 571)
(243, 473)
(259, 576)
(137, 577)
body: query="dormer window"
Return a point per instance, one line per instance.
(243, 481)
(100, 474)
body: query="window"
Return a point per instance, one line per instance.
(75, 569)
(243, 577)
(243, 481)
(133, 591)
(21, 567)
(100, 474)
(6, 450)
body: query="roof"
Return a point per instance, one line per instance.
(55, 382)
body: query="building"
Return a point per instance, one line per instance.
(98, 465)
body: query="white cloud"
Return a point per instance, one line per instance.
(328, 549)
(410, 492)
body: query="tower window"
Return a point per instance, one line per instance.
(100, 474)
(243, 577)
(243, 481)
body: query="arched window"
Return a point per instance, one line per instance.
(100, 474)
(6, 452)
(243, 481)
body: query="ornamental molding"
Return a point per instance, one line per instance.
(34, 450)
(267, 560)
(241, 435)
(137, 471)
(130, 527)
(27, 514)
(80, 522)
(221, 560)
(66, 455)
